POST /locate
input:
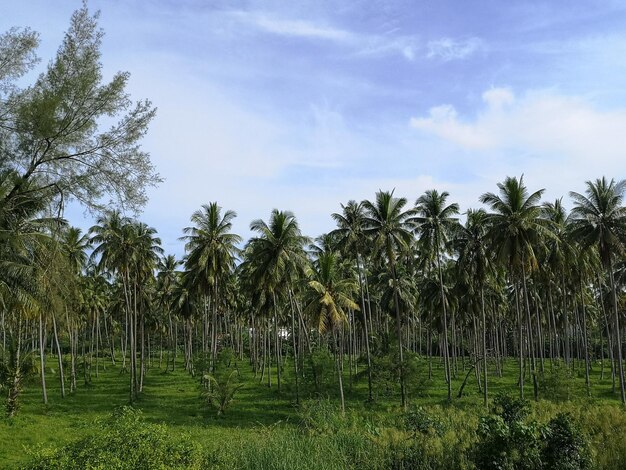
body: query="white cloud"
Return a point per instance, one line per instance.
(497, 98)
(540, 123)
(453, 49)
(301, 29)
(443, 122)
(557, 141)
(362, 43)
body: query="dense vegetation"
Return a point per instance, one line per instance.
(399, 300)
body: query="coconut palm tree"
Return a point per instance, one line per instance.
(211, 255)
(386, 223)
(598, 220)
(515, 230)
(330, 294)
(474, 266)
(435, 224)
(351, 239)
(130, 250)
(276, 259)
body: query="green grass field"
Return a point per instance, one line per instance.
(174, 399)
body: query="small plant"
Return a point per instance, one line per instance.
(221, 391)
(320, 416)
(558, 384)
(419, 421)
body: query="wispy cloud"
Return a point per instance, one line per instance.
(453, 49)
(300, 28)
(363, 44)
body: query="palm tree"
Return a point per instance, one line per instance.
(211, 255)
(331, 293)
(598, 220)
(559, 254)
(131, 251)
(435, 224)
(351, 236)
(387, 224)
(276, 258)
(515, 230)
(168, 277)
(474, 266)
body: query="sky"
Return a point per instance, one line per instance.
(304, 105)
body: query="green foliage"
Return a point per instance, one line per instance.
(320, 416)
(321, 374)
(222, 390)
(433, 439)
(565, 446)
(13, 375)
(418, 420)
(506, 440)
(385, 373)
(51, 131)
(124, 441)
(558, 384)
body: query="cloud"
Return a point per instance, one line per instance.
(363, 44)
(558, 141)
(448, 49)
(443, 121)
(301, 28)
(540, 122)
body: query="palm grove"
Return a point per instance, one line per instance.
(416, 291)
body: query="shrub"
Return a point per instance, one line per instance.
(506, 440)
(124, 441)
(565, 446)
(558, 384)
(419, 421)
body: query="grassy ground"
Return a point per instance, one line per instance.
(174, 398)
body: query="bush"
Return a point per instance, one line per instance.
(558, 384)
(321, 372)
(565, 447)
(124, 441)
(419, 421)
(506, 440)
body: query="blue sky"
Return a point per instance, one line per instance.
(305, 105)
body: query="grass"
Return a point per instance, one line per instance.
(257, 414)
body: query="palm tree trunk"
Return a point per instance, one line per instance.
(446, 357)
(531, 349)
(585, 344)
(618, 340)
(520, 341)
(482, 307)
(42, 360)
(367, 336)
(339, 373)
(399, 328)
(59, 355)
(295, 349)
